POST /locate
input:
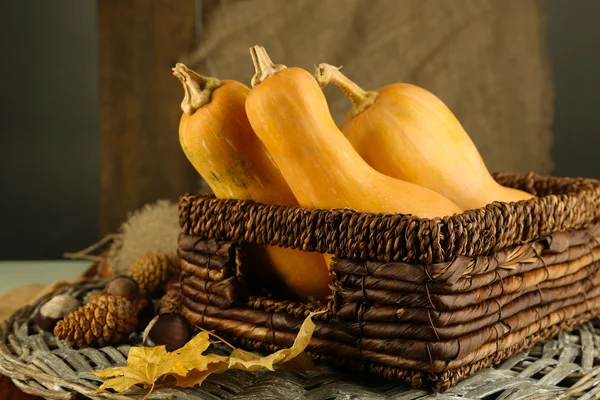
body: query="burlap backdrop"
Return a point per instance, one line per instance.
(485, 58)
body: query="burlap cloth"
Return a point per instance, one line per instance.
(485, 58)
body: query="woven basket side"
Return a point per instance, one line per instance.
(567, 204)
(467, 273)
(335, 338)
(364, 289)
(212, 272)
(427, 323)
(331, 342)
(534, 295)
(270, 338)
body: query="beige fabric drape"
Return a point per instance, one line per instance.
(485, 58)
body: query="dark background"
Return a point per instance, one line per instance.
(49, 146)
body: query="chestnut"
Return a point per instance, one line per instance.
(54, 310)
(122, 286)
(171, 330)
(173, 285)
(145, 309)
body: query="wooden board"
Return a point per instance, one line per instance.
(141, 161)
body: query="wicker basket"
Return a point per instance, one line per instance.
(429, 301)
(567, 367)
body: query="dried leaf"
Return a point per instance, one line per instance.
(241, 359)
(196, 377)
(120, 384)
(144, 366)
(191, 355)
(190, 367)
(302, 362)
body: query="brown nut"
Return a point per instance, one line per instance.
(173, 285)
(54, 310)
(122, 286)
(171, 330)
(145, 308)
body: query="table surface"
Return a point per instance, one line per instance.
(18, 273)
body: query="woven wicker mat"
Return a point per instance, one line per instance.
(567, 367)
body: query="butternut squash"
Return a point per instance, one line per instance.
(217, 139)
(406, 132)
(289, 113)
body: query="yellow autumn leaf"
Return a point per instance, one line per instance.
(302, 362)
(144, 366)
(197, 376)
(120, 384)
(190, 356)
(241, 359)
(190, 367)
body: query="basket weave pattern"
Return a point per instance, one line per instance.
(563, 368)
(430, 301)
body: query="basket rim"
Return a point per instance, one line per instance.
(563, 204)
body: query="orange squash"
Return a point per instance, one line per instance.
(406, 132)
(217, 139)
(289, 113)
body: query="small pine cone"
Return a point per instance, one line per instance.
(170, 303)
(152, 270)
(106, 320)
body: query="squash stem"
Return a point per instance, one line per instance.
(360, 98)
(197, 88)
(263, 65)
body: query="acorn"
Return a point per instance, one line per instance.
(55, 310)
(145, 309)
(171, 330)
(122, 286)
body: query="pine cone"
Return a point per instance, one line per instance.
(170, 303)
(152, 270)
(105, 321)
(91, 297)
